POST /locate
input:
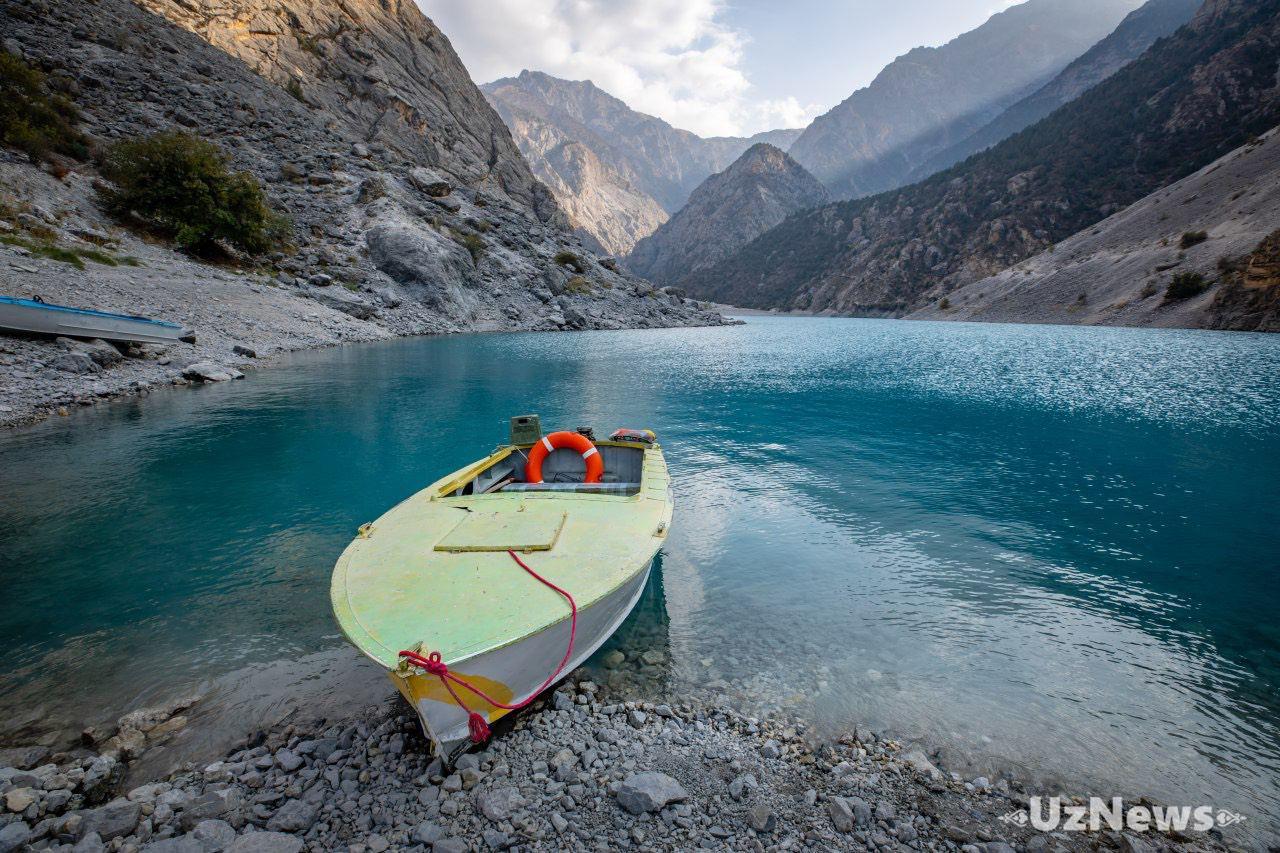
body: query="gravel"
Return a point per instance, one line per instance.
(580, 776)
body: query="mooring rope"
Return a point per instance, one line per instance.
(435, 665)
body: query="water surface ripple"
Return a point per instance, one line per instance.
(1048, 548)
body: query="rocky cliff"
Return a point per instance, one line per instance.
(600, 190)
(728, 210)
(1192, 98)
(1154, 20)
(1212, 232)
(932, 98)
(642, 169)
(412, 209)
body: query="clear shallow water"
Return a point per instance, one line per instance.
(1051, 548)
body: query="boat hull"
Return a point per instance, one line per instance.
(513, 672)
(26, 315)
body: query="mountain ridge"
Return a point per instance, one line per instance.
(1140, 29)
(932, 97)
(1211, 227)
(726, 211)
(645, 161)
(1188, 100)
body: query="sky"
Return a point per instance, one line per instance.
(716, 67)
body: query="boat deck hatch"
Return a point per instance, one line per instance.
(526, 528)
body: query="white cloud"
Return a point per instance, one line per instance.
(669, 58)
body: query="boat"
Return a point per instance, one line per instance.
(478, 592)
(40, 317)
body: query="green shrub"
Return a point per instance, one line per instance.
(180, 185)
(566, 258)
(944, 303)
(309, 43)
(42, 248)
(473, 243)
(293, 87)
(1185, 285)
(32, 119)
(1192, 238)
(578, 284)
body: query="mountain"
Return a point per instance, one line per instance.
(1217, 226)
(726, 149)
(603, 204)
(933, 97)
(643, 169)
(411, 208)
(1137, 32)
(728, 210)
(1188, 100)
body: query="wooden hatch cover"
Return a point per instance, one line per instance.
(528, 527)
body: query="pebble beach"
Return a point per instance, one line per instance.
(580, 770)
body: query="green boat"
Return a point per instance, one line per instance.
(477, 592)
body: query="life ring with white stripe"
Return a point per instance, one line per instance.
(566, 441)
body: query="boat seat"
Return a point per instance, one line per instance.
(585, 488)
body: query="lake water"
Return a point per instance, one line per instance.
(1050, 551)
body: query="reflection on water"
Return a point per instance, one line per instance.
(636, 661)
(1052, 548)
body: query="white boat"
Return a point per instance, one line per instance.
(39, 317)
(482, 589)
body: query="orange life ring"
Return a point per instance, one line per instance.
(567, 441)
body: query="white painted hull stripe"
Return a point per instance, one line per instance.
(523, 665)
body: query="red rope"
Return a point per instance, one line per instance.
(435, 665)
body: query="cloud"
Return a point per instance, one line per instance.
(669, 58)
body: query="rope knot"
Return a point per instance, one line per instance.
(434, 664)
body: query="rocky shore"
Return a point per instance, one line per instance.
(241, 316)
(411, 209)
(579, 771)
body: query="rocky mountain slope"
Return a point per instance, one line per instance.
(1155, 19)
(931, 98)
(725, 212)
(617, 172)
(412, 210)
(1216, 230)
(1190, 99)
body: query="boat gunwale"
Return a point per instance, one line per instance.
(456, 480)
(91, 312)
(437, 492)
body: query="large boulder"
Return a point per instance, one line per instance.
(431, 265)
(103, 773)
(499, 804)
(14, 836)
(430, 182)
(74, 362)
(340, 299)
(211, 804)
(103, 353)
(418, 255)
(649, 792)
(114, 820)
(23, 757)
(207, 371)
(293, 816)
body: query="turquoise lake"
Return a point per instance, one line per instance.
(1048, 551)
